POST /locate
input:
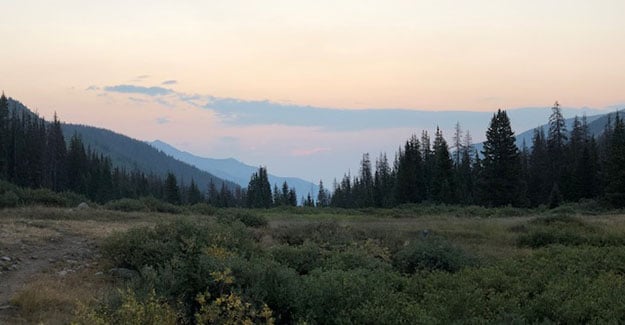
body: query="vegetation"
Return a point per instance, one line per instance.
(559, 166)
(375, 268)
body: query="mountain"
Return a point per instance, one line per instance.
(132, 154)
(234, 170)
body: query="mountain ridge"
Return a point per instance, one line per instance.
(233, 169)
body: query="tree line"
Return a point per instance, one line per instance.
(34, 153)
(560, 165)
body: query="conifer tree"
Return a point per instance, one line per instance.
(615, 166)
(171, 190)
(442, 174)
(501, 166)
(322, 196)
(194, 194)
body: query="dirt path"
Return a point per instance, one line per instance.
(31, 250)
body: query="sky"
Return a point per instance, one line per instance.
(306, 87)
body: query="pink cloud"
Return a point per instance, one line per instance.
(308, 152)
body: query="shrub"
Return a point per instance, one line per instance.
(431, 254)
(156, 205)
(203, 209)
(126, 205)
(44, 197)
(9, 199)
(248, 218)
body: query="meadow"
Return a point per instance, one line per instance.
(429, 264)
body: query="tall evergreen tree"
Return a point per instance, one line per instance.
(615, 167)
(323, 199)
(442, 174)
(55, 157)
(4, 131)
(556, 143)
(259, 190)
(409, 178)
(172, 191)
(194, 195)
(501, 166)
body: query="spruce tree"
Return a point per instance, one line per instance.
(171, 190)
(442, 173)
(615, 166)
(194, 195)
(501, 165)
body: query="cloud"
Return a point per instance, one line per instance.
(308, 152)
(92, 87)
(137, 100)
(163, 120)
(133, 89)
(169, 82)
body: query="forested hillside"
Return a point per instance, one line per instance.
(39, 154)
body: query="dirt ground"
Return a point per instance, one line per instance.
(49, 262)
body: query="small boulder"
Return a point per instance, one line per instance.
(5, 258)
(83, 206)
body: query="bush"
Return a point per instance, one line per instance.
(431, 254)
(156, 205)
(44, 197)
(248, 218)
(9, 199)
(127, 205)
(203, 209)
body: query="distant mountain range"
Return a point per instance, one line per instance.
(234, 170)
(132, 154)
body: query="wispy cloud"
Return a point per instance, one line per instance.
(133, 89)
(137, 100)
(92, 87)
(169, 82)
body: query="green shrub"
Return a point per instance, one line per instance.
(431, 254)
(156, 205)
(44, 197)
(203, 209)
(126, 205)
(562, 229)
(9, 199)
(302, 258)
(248, 218)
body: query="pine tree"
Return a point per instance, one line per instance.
(194, 194)
(538, 170)
(556, 143)
(409, 178)
(55, 157)
(4, 131)
(259, 190)
(501, 166)
(171, 190)
(442, 174)
(322, 196)
(615, 171)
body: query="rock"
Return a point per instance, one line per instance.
(5, 258)
(99, 274)
(62, 273)
(83, 206)
(123, 273)
(14, 267)
(33, 257)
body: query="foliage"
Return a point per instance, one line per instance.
(126, 205)
(248, 218)
(428, 254)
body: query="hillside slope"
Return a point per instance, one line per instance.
(132, 154)
(234, 170)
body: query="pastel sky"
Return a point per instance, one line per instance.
(305, 87)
